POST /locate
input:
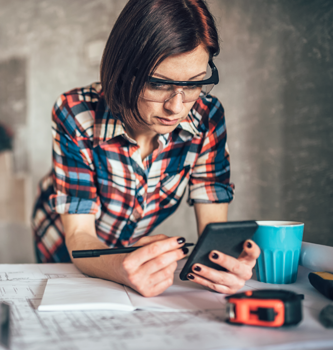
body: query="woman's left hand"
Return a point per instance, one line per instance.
(238, 270)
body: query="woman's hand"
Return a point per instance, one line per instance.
(238, 270)
(150, 269)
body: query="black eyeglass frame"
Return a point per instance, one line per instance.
(214, 79)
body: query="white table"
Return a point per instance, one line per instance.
(23, 285)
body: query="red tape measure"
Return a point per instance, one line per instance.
(265, 308)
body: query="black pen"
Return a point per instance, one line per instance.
(97, 252)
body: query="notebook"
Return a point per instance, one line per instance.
(70, 294)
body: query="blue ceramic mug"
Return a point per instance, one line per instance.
(280, 244)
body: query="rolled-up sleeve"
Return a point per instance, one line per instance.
(210, 178)
(72, 169)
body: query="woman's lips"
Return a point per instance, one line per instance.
(166, 121)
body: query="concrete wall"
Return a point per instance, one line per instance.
(276, 85)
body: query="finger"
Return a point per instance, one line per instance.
(250, 253)
(162, 261)
(220, 288)
(149, 239)
(146, 284)
(155, 249)
(163, 274)
(219, 277)
(233, 265)
(157, 289)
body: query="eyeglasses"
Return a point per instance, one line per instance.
(159, 90)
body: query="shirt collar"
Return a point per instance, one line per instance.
(190, 124)
(106, 126)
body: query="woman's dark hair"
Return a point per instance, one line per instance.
(145, 33)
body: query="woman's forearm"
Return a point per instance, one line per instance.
(104, 266)
(80, 234)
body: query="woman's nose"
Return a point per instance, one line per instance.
(175, 103)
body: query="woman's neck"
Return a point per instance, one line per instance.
(147, 141)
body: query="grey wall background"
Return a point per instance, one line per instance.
(276, 85)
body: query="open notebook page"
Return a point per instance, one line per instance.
(84, 294)
(98, 294)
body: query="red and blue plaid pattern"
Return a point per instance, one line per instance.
(97, 169)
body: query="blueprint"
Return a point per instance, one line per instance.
(22, 286)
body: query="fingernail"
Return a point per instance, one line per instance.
(197, 268)
(249, 244)
(215, 256)
(181, 240)
(190, 277)
(185, 250)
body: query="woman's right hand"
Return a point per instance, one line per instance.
(150, 269)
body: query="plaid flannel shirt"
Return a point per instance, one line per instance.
(97, 169)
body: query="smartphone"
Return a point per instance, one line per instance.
(226, 237)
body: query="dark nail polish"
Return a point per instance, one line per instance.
(215, 256)
(185, 250)
(249, 244)
(190, 277)
(197, 268)
(181, 240)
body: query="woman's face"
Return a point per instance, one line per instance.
(164, 117)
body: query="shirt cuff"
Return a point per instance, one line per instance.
(63, 204)
(211, 193)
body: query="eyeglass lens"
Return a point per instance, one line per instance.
(161, 92)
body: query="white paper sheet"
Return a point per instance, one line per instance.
(181, 302)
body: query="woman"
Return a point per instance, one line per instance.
(125, 149)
